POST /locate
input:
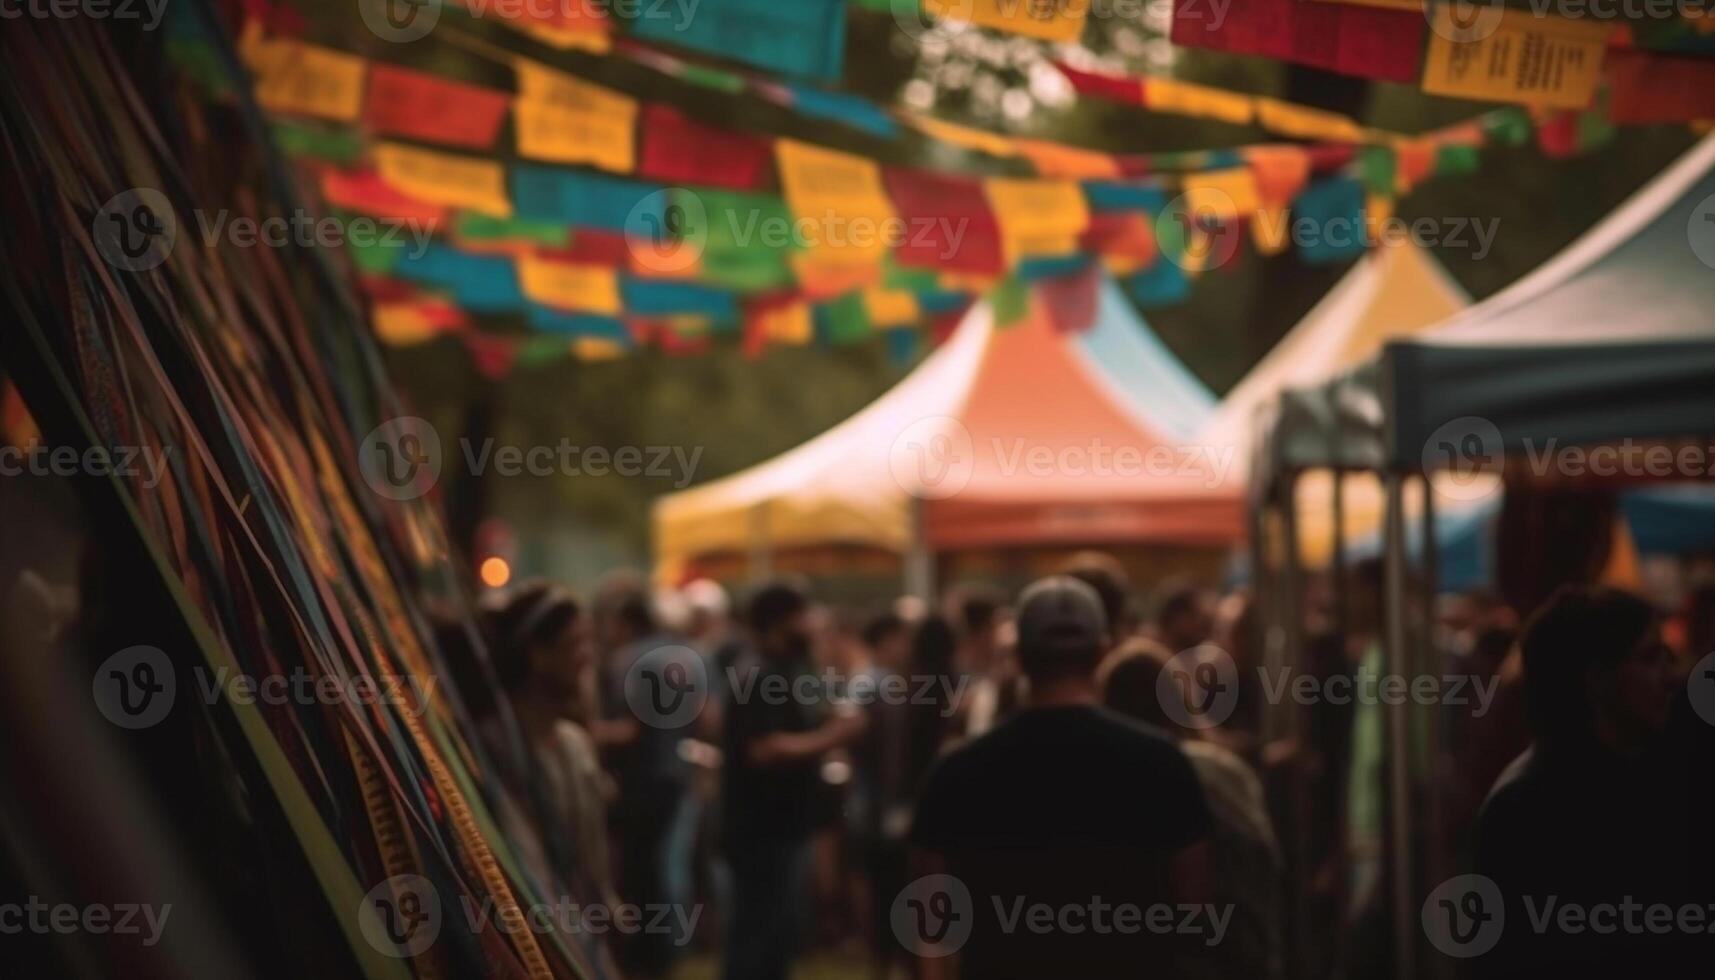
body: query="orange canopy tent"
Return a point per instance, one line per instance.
(1004, 437)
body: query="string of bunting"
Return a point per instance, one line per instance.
(1651, 70)
(696, 249)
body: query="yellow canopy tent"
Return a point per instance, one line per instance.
(1394, 291)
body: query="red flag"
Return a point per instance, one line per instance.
(493, 356)
(948, 223)
(1369, 42)
(402, 102)
(1651, 88)
(365, 192)
(592, 247)
(1110, 87)
(677, 149)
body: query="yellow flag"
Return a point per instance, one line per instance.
(1069, 162)
(1271, 230)
(966, 136)
(556, 135)
(1304, 122)
(444, 178)
(561, 118)
(1201, 101)
(1049, 20)
(788, 323)
(563, 38)
(596, 349)
(402, 324)
(891, 307)
(1514, 56)
(842, 207)
(1225, 194)
(1037, 217)
(301, 79)
(570, 285)
(829, 274)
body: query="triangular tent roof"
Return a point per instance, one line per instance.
(1121, 348)
(1613, 338)
(1008, 435)
(1393, 291)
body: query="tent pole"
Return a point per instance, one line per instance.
(1438, 866)
(1337, 557)
(919, 560)
(1398, 755)
(761, 544)
(1288, 655)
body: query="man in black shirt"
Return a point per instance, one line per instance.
(1074, 837)
(779, 727)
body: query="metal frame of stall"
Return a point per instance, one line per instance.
(1279, 579)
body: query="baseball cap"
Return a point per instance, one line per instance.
(1061, 614)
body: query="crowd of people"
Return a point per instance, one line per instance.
(1042, 753)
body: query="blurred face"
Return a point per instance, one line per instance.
(1638, 693)
(793, 636)
(560, 664)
